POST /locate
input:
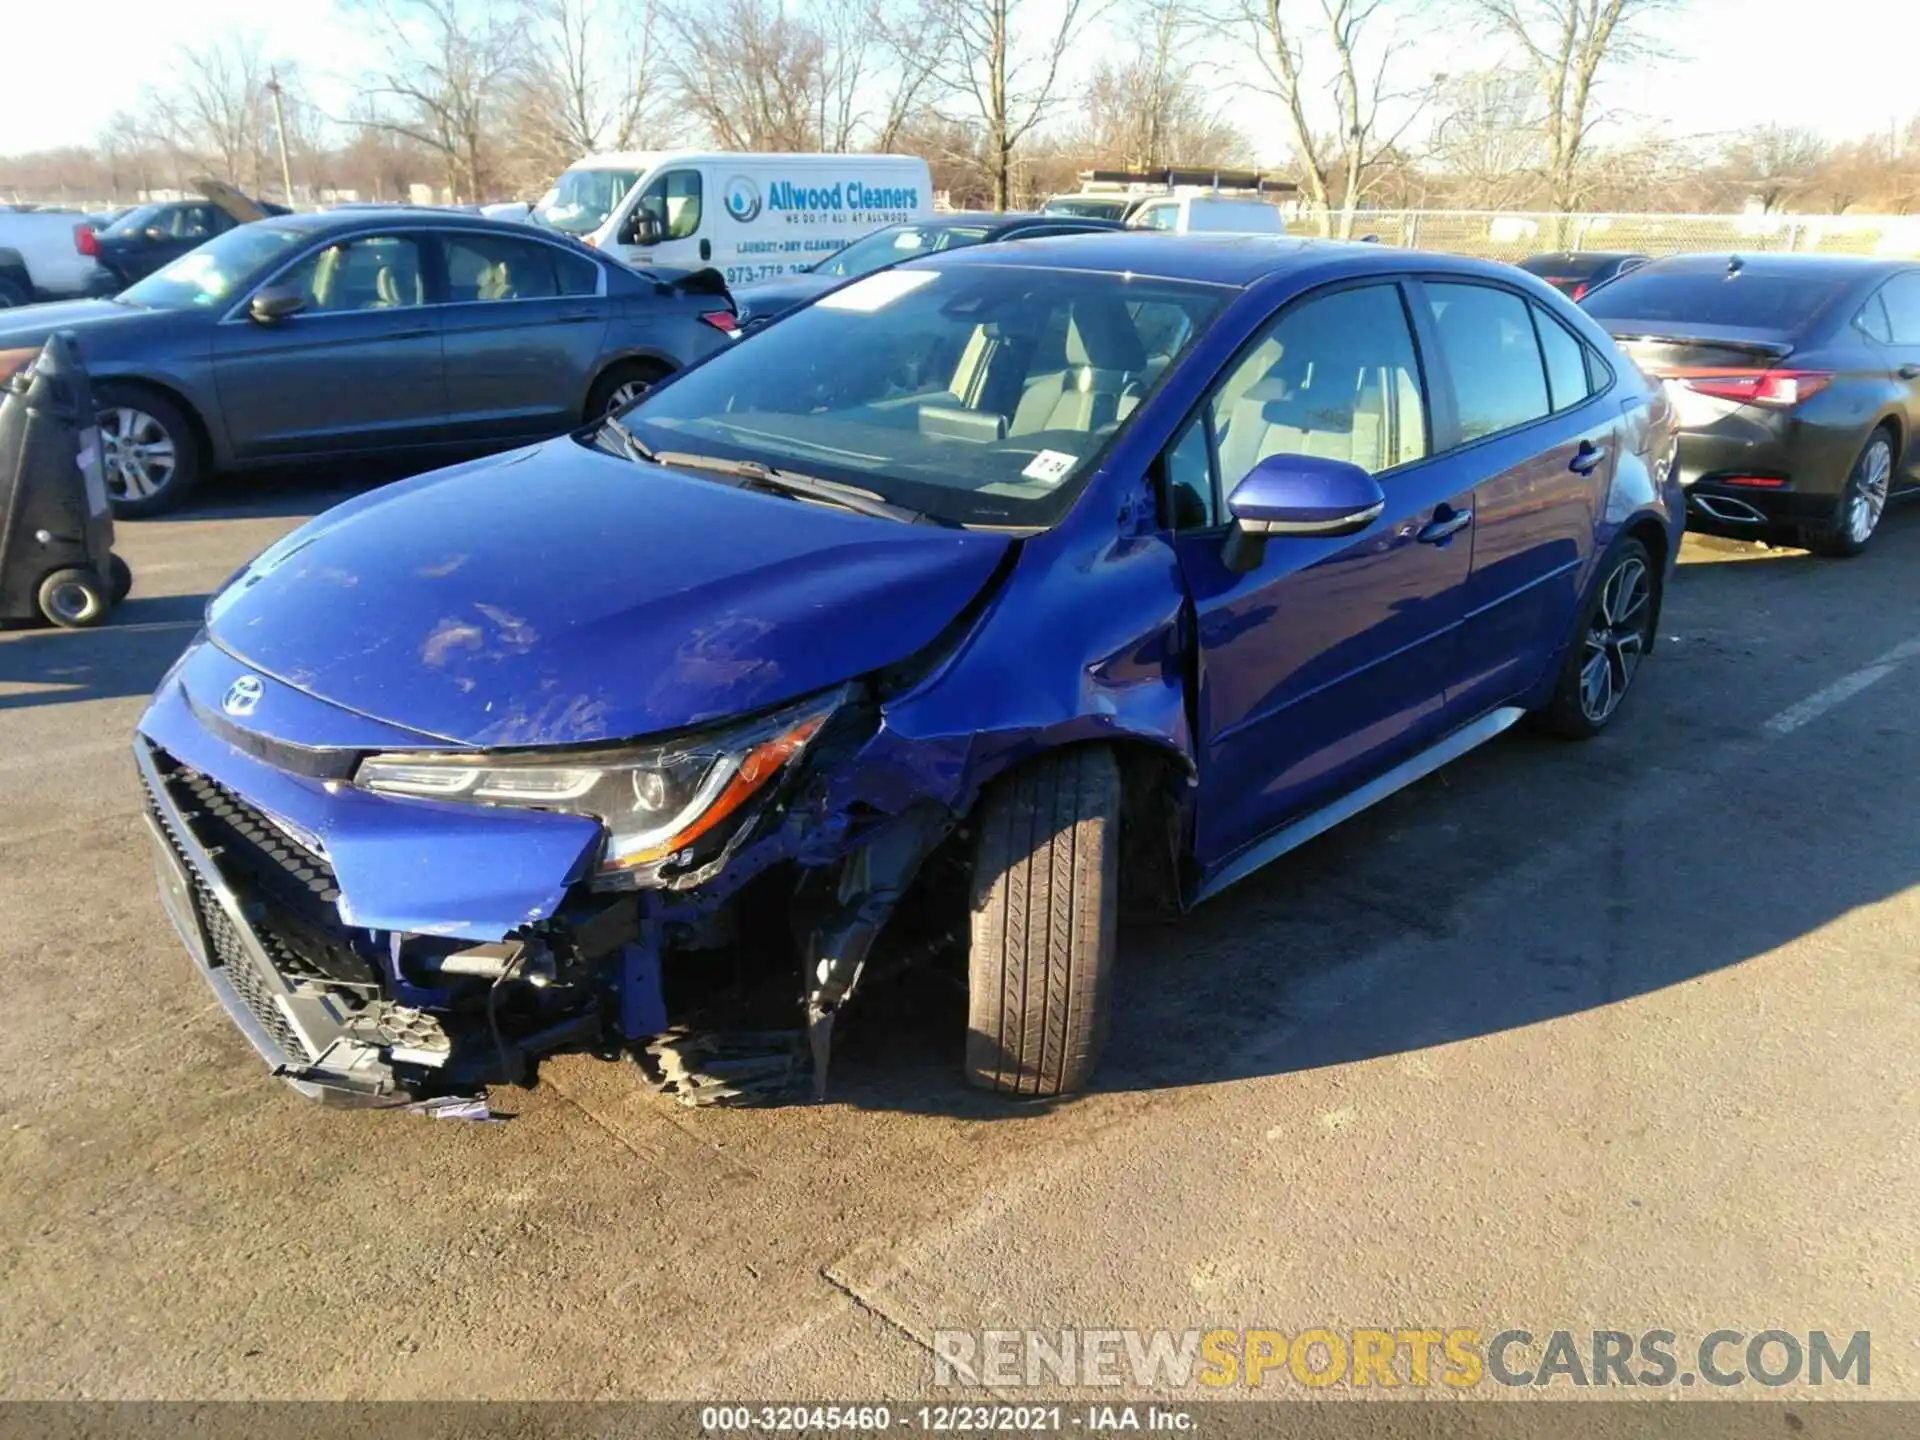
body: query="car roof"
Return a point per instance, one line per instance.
(1217, 259)
(1765, 262)
(412, 216)
(998, 220)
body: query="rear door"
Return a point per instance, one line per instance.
(359, 369)
(1329, 660)
(1901, 296)
(523, 329)
(1518, 409)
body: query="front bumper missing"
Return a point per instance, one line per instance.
(306, 1032)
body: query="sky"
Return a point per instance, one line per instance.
(1841, 67)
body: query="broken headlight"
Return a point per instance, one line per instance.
(655, 801)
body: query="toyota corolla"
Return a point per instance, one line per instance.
(971, 597)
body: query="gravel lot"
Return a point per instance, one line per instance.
(1604, 1036)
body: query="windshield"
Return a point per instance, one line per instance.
(979, 394)
(583, 199)
(134, 221)
(212, 274)
(894, 244)
(1090, 207)
(1743, 300)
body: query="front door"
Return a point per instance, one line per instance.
(358, 369)
(1520, 385)
(672, 208)
(523, 329)
(1901, 296)
(1329, 660)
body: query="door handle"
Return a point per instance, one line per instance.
(1446, 522)
(410, 335)
(1587, 458)
(1910, 372)
(706, 249)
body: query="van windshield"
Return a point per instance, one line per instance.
(583, 199)
(976, 394)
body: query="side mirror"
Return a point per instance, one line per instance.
(155, 234)
(1299, 495)
(276, 302)
(641, 229)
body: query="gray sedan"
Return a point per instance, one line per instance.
(345, 335)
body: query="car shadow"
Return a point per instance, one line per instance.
(126, 654)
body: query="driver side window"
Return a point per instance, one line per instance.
(1334, 376)
(375, 272)
(673, 201)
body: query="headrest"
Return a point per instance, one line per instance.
(1100, 333)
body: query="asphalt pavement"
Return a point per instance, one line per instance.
(1613, 1036)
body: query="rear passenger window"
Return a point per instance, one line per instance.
(494, 267)
(1335, 376)
(1902, 297)
(1492, 357)
(1566, 362)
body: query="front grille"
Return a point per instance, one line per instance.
(228, 953)
(268, 841)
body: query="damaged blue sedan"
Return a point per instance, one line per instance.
(976, 596)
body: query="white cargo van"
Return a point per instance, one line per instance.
(1216, 214)
(749, 216)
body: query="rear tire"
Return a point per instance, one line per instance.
(1046, 889)
(73, 599)
(1861, 503)
(152, 450)
(1610, 642)
(119, 578)
(621, 385)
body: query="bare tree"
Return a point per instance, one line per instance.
(1006, 85)
(590, 81)
(1150, 111)
(217, 111)
(1566, 44)
(1485, 146)
(914, 42)
(447, 69)
(752, 74)
(1774, 164)
(1360, 51)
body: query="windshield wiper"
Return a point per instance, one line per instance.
(636, 448)
(800, 487)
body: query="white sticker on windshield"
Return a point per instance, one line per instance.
(871, 292)
(1050, 465)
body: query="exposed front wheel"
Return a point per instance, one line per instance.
(1614, 634)
(1046, 881)
(1862, 502)
(621, 386)
(152, 455)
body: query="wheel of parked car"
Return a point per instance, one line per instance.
(152, 455)
(1863, 500)
(1046, 881)
(73, 599)
(1614, 634)
(622, 385)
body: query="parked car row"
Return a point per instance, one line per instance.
(977, 595)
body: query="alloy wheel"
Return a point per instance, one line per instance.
(625, 394)
(68, 603)
(1616, 640)
(1867, 496)
(140, 455)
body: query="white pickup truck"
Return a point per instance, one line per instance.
(44, 256)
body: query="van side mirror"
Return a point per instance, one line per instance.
(641, 229)
(276, 302)
(1298, 495)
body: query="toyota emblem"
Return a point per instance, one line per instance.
(243, 696)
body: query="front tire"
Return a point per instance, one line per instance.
(1862, 501)
(621, 386)
(1046, 888)
(1613, 636)
(152, 450)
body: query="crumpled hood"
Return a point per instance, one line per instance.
(767, 298)
(559, 595)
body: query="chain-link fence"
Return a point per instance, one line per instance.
(1512, 235)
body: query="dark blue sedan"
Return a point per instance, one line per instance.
(969, 597)
(308, 337)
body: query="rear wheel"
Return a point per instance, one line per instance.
(152, 453)
(73, 599)
(1613, 637)
(621, 386)
(1863, 500)
(119, 578)
(1045, 903)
